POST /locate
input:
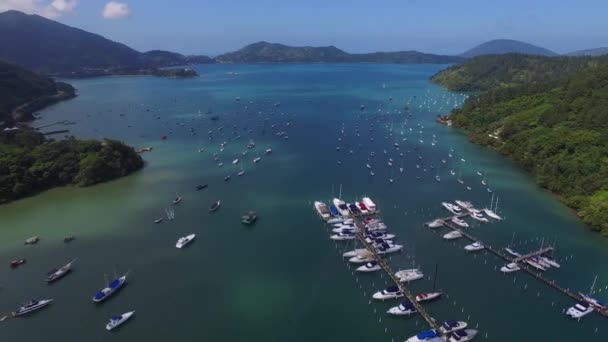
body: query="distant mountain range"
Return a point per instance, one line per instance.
(264, 52)
(590, 52)
(502, 46)
(46, 46)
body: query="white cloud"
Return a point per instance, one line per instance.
(46, 8)
(116, 10)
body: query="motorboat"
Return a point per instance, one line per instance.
(492, 214)
(427, 297)
(405, 308)
(376, 227)
(409, 275)
(345, 229)
(579, 310)
(534, 264)
(177, 199)
(116, 321)
(249, 217)
(110, 289)
(477, 215)
(387, 248)
(371, 206)
(362, 208)
(341, 206)
(16, 263)
(268, 151)
(512, 252)
(464, 204)
(334, 219)
(56, 274)
(379, 235)
(353, 209)
(435, 223)
(426, 336)
(343, 236)
(509, 268)
(390, 292)
(158, 220)
(201, 186)
(215, 205)
(462, 335)
(371, 266)
(257, 159)
(451, 326)
(354, 252)
(335, 213)
(453, 235)
(363, 257)
(454, 209)
(32, 241)
(227, 178)
(460, 222)
(31, 306)
(551, 262)
(184, 241)
(322, 210)
(475, 246)
(236, 161)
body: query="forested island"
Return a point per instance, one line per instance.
(549, 115)
(29, 163)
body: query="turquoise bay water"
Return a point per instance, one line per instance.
(282, 279)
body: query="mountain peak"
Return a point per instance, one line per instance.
(503, 46)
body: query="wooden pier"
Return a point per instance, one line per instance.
(382, 262)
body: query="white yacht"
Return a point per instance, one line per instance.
(116, 321)
(406, 308)
(256, 159)
(236, 161)
(475, 246)
(462, 335)
(363, 257)
(354, 252)
(509, 268)
(409, 275)
(427, 297)
(551, 262)
(535, 264)
(31, 306)
(371, 266)
(371, 206)
(363, 208)
(477, 215)
(341, 206)
(345, 230)
(435, 223)
(512, 252)
(426, 336)
(454, 209)
(390, 292)
(452, 235)
(492, 214)
(184, 241)
(579, 310)
(322, 210)
(451, 326)
(460, 222)
(343, 236)
(387, 248)
(464, 204)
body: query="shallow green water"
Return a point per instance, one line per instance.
(282, 279)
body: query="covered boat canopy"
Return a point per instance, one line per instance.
(427, 334)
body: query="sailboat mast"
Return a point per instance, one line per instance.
(592, 286)
(496, 209)
(340, 195)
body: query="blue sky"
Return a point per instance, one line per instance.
(436, 26)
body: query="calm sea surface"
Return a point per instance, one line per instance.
(282, 279)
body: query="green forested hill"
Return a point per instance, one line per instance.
(557, 131)
(487, 72)
(24, 92)
(502, 46)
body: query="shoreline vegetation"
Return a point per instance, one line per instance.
(548, 115)
(29, 163)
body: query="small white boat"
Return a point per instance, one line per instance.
(341, 206)
(116, 321)
(236, 161)
(509, 268)
(371, 266)
(386, 248)
(535, 264)
(177, 199)
(492, 214)
(363, 208)
(268, 151)
(405, 276)
(475, 246)
(579, 310)
(435, 223)
(464, 204)
(452, 235)
(158, 220)
(462, 335)
(31, 306)
(459, 222)
(451, 326)
(256, 159)
(551, 262)
(345, 229)
(512, 252)
(426, 297)
(406, 308)
(184, 241)
(322, 210)
(390, 292)
(454, 209)
(426, 336)
(476, 215)
(354, 252)
(343, 236)
(363, 257)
